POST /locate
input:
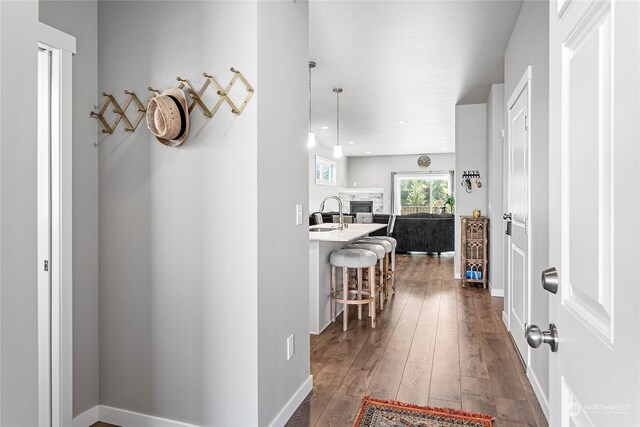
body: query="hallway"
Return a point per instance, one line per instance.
(435, 344)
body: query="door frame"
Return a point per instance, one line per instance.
(55, 385)
(523, 84)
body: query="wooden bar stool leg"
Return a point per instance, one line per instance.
(372, 305)
(359, 293)
(370, 288)
(381, 287)
(345, 296)
(393, 272)
(373, 291)
(333, 294)
(385, 272)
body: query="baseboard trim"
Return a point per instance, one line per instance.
(123, 417)
(87, 418)
(293, 403)
(540, 394)
(457, 276)
(496, 292)
(505, 320)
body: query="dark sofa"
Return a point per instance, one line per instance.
(421, 232)
(425, 232)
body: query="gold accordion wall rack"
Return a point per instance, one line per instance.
(120, 110)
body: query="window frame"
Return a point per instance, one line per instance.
(398, 177)
(334, 172)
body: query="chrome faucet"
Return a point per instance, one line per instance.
(342, 223)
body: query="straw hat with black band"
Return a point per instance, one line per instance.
(168, 117)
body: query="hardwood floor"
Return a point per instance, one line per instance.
(435, 344)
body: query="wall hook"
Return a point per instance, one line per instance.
(120, 112)
(197, 99)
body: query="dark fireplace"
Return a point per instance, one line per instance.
(360, 206)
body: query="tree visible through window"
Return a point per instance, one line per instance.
(422, 194)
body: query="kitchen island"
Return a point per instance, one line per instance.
(323, 239)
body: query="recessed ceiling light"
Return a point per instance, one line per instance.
(444, 148)
(402, 122)
(442, 137)
(352, 142)
(325, 127)
(368, 152)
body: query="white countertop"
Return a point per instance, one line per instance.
(353, 232)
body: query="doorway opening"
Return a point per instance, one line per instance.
(518, 202)
(55, 274)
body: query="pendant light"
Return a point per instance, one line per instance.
(311, 141)
(337, 149)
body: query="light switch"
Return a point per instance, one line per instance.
(299, 214)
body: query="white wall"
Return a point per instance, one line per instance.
(317, 192)
(283, 257)
(184, 231)
(80, 20)
(495, 125)
(18, 186)
(375, 171)
(529, 45)
(470, 155)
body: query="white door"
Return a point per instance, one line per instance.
(518, 209)
(595, 212)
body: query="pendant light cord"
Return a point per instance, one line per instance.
(310, 98)
(338, 117)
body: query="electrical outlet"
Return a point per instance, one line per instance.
(291, 346)
(299, 214)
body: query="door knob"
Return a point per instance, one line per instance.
(535, 337)
(550, 280)
(506, 217)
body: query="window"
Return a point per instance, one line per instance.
(325, 171)
(419, 193)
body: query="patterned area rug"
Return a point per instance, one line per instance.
(385, 413)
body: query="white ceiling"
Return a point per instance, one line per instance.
(403, 60)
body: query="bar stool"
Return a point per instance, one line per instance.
(388, 249)
(356, 259)
(380, 253)
(394, 243)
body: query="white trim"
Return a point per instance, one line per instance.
(523, 84)
(0, 215)
(457, 276)
(496, 292)
(540, 395)
(334, 171)
(396, 178)
(524, 81)
(290, 407)
(505, 320)
(56, 38)
(357, 190)
(44, 238)
(122, 417)
(87, 418)
(62, 47)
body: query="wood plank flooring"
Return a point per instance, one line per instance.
(435, 344)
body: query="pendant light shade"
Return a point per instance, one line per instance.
(337, 149)
(311, 140)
